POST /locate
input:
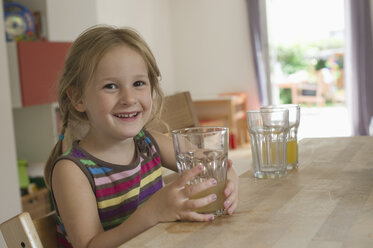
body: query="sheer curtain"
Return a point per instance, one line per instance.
(256, 10)
(359, 64)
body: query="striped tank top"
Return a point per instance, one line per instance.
(119, 189)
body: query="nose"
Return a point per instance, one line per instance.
(127, 97)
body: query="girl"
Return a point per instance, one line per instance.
(107, 187)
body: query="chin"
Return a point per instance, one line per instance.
(129, 133)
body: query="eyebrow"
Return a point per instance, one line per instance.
(140, 76)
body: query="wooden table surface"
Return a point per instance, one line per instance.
(326, 202)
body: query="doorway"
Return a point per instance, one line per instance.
(306, 56)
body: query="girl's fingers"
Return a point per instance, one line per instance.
(229, 188)
(230, 201)
(194, 216)
(188, 175)
(232, 207)
(194, 189)
(194, 204)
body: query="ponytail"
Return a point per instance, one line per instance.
(56, 152)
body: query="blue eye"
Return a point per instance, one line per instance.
(110, 86)
(138, 83)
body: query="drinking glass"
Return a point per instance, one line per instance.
(268, 129)
(206, 146)
(292, 138)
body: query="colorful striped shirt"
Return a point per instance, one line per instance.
(119, 189)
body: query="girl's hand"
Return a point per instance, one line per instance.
(231, 190)
(173, 201)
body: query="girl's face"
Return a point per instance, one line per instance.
(118, 102)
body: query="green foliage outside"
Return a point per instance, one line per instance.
(297, 57)
(304, 57)
(285, 96)
(320, 63)
(291, 58)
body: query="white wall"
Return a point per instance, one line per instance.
(152, 20)
(11, 202)
(201, 45)
(65, 22)
(212, 51)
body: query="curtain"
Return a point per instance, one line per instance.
(359, 64)
(257, 43)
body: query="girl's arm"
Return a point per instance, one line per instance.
(77, 207)
(167, 150)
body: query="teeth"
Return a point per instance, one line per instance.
(126, 115)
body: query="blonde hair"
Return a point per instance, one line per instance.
(80, 64)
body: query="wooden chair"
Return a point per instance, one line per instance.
(177, 112)
(22, 231)
(227, 110)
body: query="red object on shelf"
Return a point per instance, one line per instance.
(232, 141)
(40, 64)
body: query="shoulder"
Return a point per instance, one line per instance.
(66, 171)
(69, 182)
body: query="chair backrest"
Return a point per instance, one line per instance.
(22, 231)
(177, 112)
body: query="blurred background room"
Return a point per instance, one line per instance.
(246, 53)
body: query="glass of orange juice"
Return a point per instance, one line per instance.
(206, 146)
(292, 138)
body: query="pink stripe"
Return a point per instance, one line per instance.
(117, 188)
(154, 150)
(148, 166)
(116, 176)
(125, 185)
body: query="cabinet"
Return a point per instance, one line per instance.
(36, 125)
(34, 71)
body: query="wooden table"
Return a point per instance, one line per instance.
(326, 202)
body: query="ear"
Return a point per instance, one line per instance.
(76, 101)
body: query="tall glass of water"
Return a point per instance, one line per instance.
(206, 146)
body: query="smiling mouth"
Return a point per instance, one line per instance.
(131, 115)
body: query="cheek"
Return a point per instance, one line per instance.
(98, 105)
(150, 103)
(147, 100)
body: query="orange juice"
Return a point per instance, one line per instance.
(215, 206)
(291, 151)
(276, 152)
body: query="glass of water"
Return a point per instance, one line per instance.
(268, 129)
(206, 146)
